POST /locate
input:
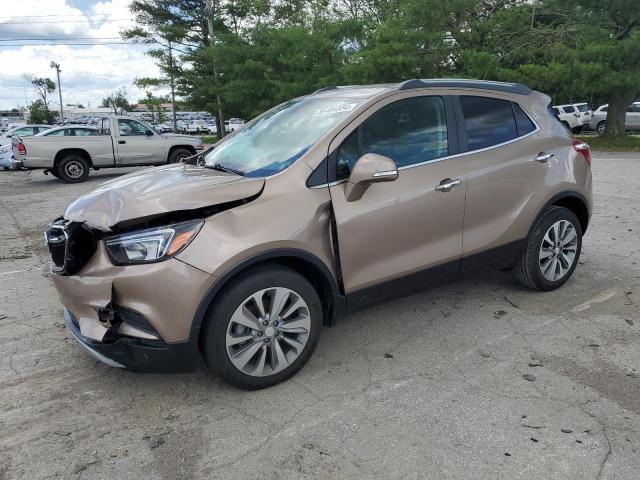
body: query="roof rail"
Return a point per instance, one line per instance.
(462, 83)
(325, 89)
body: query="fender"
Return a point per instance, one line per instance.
(572, 194)
(337, 307)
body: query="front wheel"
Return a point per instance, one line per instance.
(601, 128)
(552, 251)
(178, 155)
(263, 328)
(73, 169)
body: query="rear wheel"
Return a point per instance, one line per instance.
(552, 251)
(73, 169)
(601, 128)
(179, 154)
(263, 327)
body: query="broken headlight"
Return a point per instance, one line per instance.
(151, 245)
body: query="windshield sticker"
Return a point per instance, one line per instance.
(331, 109)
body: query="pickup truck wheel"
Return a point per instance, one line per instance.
(178, 155)
(73, 169)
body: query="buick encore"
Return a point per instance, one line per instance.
(323, 205)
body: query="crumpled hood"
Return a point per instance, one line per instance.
(159, 190)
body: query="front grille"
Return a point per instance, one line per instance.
(71, 246)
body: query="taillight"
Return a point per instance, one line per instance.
(22, 150)
(583, 149)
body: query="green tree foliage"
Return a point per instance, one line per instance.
(43, 87)
(263, 52)
(116, 100)
(39, 114)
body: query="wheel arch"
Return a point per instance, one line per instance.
(173, 148)
(572, 200)
(305, 263)
(65, 152)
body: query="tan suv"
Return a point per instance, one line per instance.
(323, 205)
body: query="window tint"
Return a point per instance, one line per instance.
(131, 128)
(408, 131)
(23, 131)
(85, 132)
(347, 156)
(583, 108)
(523, 122)
(569, 109)
(634, 108)
(58, 133)
(487, 121)
(556, 110)
(604, 109)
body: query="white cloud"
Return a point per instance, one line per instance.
(89, 73)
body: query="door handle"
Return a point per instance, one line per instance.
(122, 142)
(544, 157)
(447, 185)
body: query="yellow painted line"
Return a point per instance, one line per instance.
(601, 297)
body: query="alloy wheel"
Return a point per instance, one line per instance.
(558, 250)
(74, 169)
(268, 331)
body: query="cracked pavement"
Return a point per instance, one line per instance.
(475, 379)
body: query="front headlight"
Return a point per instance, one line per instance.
(151, 245)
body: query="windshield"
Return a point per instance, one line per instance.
(276, 139)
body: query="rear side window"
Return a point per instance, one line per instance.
(407, 131)
(583, 108)
(487, 121)
(523, 122)
(569, 109)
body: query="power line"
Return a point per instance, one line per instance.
(56, 39)
(65, 21)
(58, 15)
(54, 44)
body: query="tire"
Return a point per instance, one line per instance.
(576, 130)
(178, 154)
(261, 366)
(72, 169)
(533, 269)
(601, 128)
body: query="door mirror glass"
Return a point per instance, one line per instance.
(370, 168)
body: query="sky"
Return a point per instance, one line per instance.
(88, 73)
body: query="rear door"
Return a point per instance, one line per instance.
(505, 183)
(406, 226)
(137, 144)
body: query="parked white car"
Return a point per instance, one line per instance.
(233, 124)
(212, 129)
(197, 126)
(22, 131)
(575, 115)
(599, 118)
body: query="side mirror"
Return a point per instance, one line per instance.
(370, 168)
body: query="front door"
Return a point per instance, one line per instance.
(137, 144)
(411, 225)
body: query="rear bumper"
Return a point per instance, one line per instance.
(135, 354)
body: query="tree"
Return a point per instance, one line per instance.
(43, 87)
(116, 100)
(154, 104)
(38, 113)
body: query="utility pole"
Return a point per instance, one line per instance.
(533, 13)
(210, 10)
(173, 91)
(57, 67)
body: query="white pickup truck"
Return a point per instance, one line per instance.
(121, 142)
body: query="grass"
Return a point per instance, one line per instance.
(628, 143)
(209, 139)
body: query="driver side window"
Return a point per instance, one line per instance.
(130, 128)
(408, 131)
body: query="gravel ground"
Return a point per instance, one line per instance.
(475, 379)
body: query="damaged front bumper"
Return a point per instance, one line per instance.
(137, 317)
(136, 354)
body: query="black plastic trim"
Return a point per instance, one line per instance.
(559, 196)
(138, 355)
(320, 175)
(498, 257)
(338, 304)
